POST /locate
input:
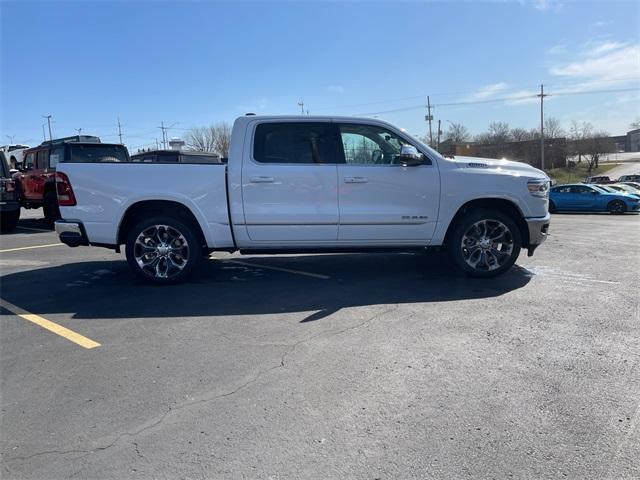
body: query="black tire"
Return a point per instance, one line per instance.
(181, 254)
(50, 207)
(9, 220)
(494, 255)
(552, 207)
(616, 207)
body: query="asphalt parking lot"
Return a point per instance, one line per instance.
(324, 366)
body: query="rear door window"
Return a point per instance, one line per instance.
(295, 143)
(41, 159)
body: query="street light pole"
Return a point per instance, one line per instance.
(48, 117)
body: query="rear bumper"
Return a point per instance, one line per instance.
(71, 233)
(538, 231)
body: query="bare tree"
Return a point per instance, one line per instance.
(520, 135)
(498, 134)
(589, 143)
(553, 128)
(214, 138)
(457, 133)
(634, 125)
(223, 138)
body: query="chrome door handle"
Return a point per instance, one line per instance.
(355, 180)
(262, 179)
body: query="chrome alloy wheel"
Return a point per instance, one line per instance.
(161, 251)
(487, 245)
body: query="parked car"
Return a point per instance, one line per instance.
(14, 154)
(591, 198)
(599, 179)
(631, 184)
(36, 181)
(175, 156)
(9, 205)
(629, 178)
(621, 187)
(301, 184)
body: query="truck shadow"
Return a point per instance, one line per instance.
(107, 289)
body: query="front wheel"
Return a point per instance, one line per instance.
(163, 250)
(617, 207)
(485, 243)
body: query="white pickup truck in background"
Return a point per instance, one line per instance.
(306, 184)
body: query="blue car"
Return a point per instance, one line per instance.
(580, 197)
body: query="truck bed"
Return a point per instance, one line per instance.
(104, 192)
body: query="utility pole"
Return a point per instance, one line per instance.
(301, 105)
(157, 146)
(542, 95)
(429, 118)
(439, 133)
(164, 140)
(78, 130)
(44, 135)
(119, 130)
(48, 117)
(11, 137)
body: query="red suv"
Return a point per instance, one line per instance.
(36, 182)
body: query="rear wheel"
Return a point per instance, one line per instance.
(163, 250)
(617, 207)
(485, 243)
(50, 207)
(9, 220)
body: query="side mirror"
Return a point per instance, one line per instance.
(410, 157)
(13, 171)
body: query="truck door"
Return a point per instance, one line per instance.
(29, 178)
(380, 199)
(289, 183)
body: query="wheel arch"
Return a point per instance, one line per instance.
(503, 205)
(146, 208)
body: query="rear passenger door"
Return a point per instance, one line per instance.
(289, 183)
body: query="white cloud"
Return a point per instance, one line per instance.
(602, 24)
(488, 91)
(557, 49)
(522, 97)
(546, 5)
(335, 89)
(613, 63)
(594, 49)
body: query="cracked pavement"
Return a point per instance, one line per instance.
(393, 367)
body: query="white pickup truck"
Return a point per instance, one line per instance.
(306, 184)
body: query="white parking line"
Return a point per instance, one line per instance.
(31, 248)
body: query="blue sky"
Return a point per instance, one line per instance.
(195, 63)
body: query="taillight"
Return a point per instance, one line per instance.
(66, 198)
(7, 186)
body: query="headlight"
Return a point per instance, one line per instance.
(538, 188)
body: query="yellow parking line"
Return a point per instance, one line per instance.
(49, 325)
(288, 270)
(31, 248)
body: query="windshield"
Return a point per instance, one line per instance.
(423, 146)
(98, 153)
